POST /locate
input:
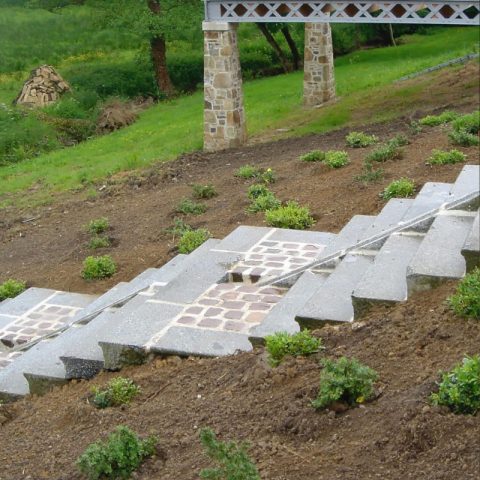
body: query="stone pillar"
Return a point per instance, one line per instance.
(224, 115)
(319, 80)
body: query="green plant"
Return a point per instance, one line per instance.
(292, 215)
(435, 120)
(187, 206)
(313, 156)
(268, 176)
(204, 191)
(257, 190)
(99, 242)
(369, 174)
(463, 138)
(336, 159)
(98, 267)
(399, 140)
(247, 172)
(415, 127)
(179, 227)
(265, 202)
(465, 302)
(468, 123)
(402, 188)
(232, 458)
(360, 140)
(98, 226)
(390, 151)
(440, 157)
(345, 380)
(282, 344)
(459, 389)
(118, 391)
(120, 455)
(11, 288)
(192, 239)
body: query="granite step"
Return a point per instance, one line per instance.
(467, 183)
(471, 247)
(439, 256)
(385, 281)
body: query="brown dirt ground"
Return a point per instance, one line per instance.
(397, 436)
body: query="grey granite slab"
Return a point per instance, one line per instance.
(471, 247)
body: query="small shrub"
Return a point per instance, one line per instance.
(179, 227)
(232, 458)
(463, 138)
(390, 151)
(465, 302)
(468, 123)
(345, 380)
(247, 172)
(11, 288)
(204, 191)
(99, 242)
(336, 159)
(313, 156)
(192, 239)
(360, 140)
(118, 391)
(282, 344)
(399, 141)
(440, 157)
(98, 267)
(415, 128)
(187, 206)
(263, 203)
(257, 190)
(369, 174)
(268, 176)
(118, 457)
(399, 189)
(435, 120)
(459, 389)
(98, 226)
(292, 215)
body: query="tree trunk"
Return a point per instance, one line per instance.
(392, 36)
(293, 47)
(276, 47)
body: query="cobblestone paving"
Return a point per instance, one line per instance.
(230, 307)
(6, 358)
(272, 258)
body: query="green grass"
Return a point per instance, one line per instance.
(169, 129)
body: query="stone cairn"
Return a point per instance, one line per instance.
(43, 87)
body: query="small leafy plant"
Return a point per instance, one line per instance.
(188, 206)
(98, 267)
(463, 138)
(345, 380)
(402, 188)
(336, 159)
(435, 120)
(118, 457)
(465, 302)
(98, 242)
(204, 191)
(360, 140)
(440, 157)
(247, 172)
(459, 389)
(118, 391)
(313, 156)
(257, 190)
(369, 174)
(232, 459)
(98, 226)
(268, 176)
(383, 153)
(292, 215)
(282, 344)
(265, 202)
(178, 228)
(399, 140)
(11, 288)
(468, 123)
(192, 239)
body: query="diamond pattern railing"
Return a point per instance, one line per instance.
(460, 12)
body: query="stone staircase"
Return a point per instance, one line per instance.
(229, 294)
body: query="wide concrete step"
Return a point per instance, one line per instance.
(471, 247)
(385, 281)
(332, 301)
(439, 256)
(467, 183)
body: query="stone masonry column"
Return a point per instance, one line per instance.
(224, 115)
(319, 80)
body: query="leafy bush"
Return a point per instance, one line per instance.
(268, 176)
(313, 156)
(247, 172)
(463, 138)
(399, 189)
(204, 191)
(440, 157)
(466, 300)
(179, 227)
(360, 140)
(192, 239)
(459, 389)
(345, 380)
(267, 201)
(369, 174)
(257, 190)
(390, 151)
(187, 206)
(292, 215)
(11, 288)
(399, 141)
(99, 242)
(282, 344)
(232, 458)
(98, 267)
(118, 457)
(435, 120)
(98, 226)
(336, 159)
(118, 391)
(468, 123)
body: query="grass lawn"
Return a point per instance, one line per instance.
(169, 129)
